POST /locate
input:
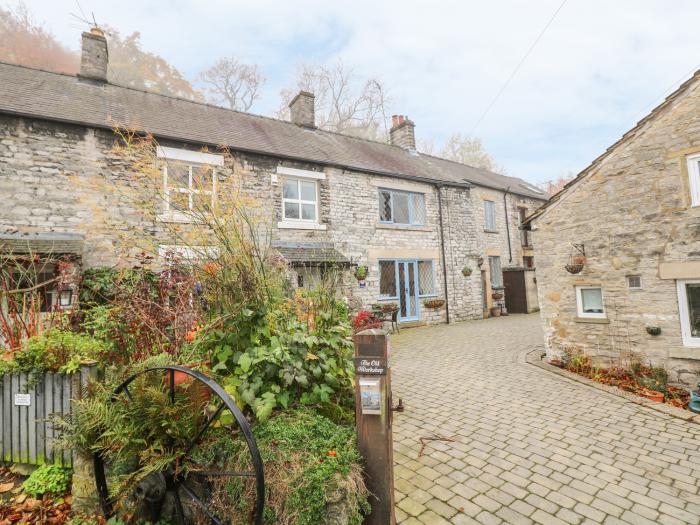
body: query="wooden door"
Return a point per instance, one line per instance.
(516, 294)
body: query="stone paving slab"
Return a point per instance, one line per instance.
(529, 446)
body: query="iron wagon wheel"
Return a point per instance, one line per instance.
(168, 480)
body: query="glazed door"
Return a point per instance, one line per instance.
(407, 279)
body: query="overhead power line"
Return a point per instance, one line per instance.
(517, 68)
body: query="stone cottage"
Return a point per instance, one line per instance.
(414, 221)
(634, 213)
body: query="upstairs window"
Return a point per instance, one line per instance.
(189, 187)
(300, 200)
(489, 216)
(589, 302)
(694, 179)
(524, 234)
(189, 180)
(402, 207)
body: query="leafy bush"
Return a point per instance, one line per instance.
(297, 351)
(54, 351)
(47, 479)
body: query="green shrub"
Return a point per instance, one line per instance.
(308, 460)
(47, 479)
(54, 351)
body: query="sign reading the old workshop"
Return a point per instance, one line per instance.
(370, 366)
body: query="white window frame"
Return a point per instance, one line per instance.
(190, 190)
(490, 227)
(300, 201)
(579, 303)
(694, 178)
(684, 312)
(190, 159)
(641, 284)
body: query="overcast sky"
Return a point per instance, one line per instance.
(598, 69)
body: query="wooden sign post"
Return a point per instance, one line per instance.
(374, 417)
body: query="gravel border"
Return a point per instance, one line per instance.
(536, 358)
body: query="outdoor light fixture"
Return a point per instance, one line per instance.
(66, 297)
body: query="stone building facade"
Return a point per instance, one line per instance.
(412, 220)
(635, 213)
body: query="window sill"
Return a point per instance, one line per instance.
(403, 227)
(490, 231)
(181, 218)
(687, 352)
(592, 320)
(300, 225)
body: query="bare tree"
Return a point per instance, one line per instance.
(345, 103)
(470, 151)
(555, 186)
(232, 83)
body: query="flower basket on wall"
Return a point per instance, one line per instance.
(466, 271)
(434, 303)
(497, 296)
(577, 259)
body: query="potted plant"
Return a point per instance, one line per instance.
(466, 271)
(495, 311)
(388, 308)
(361, 273)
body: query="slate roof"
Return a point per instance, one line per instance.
(310, 253)
(65, 98)
(51, 242)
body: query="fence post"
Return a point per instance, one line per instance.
(84, 491)
(374, 418)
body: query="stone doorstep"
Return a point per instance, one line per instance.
(532, 358)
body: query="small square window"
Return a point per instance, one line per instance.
(589, 302)
(634, 282)
(300, 200)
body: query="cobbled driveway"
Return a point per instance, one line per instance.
(530, 446)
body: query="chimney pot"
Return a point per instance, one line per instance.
(302, 109)
(95, 57)
(402, 132)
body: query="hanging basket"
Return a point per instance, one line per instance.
(577, 259)
(574, 268)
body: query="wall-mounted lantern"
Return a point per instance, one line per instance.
(65, 298)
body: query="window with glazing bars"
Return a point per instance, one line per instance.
(402, 207)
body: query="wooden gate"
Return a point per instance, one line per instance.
(515, 291)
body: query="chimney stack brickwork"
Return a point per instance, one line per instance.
(402, 132)
(94, 58)
(302, 109)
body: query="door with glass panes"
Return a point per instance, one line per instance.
(407, 278)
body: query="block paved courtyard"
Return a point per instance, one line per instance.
(530, 446)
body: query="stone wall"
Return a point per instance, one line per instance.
(632, 213)
(68, 178)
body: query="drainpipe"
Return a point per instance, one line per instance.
(444, 260)
(505, 209)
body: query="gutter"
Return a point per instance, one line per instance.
(505, 209)
(444, 260)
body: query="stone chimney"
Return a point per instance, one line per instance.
(302, 109)
(402, 132)
(94, 59)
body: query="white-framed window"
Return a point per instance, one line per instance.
(299, 199)
(188, 187)
(490, 216)
(189, 180)
(495, 271)
(634, 282)
(694, 178)
(689, 310)
(401, 207)
(589, 302)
